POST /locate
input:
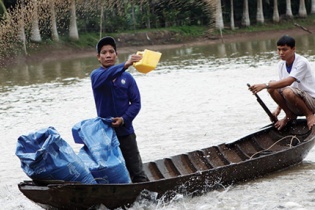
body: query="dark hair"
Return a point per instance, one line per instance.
(286, 40)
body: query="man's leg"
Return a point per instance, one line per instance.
(130, 151)
(302, 103)
(293, 103)
(282, 98)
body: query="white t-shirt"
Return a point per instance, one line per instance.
(302, 72)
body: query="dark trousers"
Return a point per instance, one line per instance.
(130, 151)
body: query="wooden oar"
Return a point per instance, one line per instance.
(272, 117)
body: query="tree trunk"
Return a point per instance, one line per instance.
(5, 13)
(302, 9)
(218, 16)
(133, 17)
(35, 33)
(73, 29)
(313, 7)
(245, 17)
(145, 9)
(275, 16)
(148, 19)
(232, 15)
(21, 27)
(260, 12)
(289, 9)
(53, 23)
(101, 19)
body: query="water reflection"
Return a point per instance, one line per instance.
(250, 53)
(247, 53)
(46, 72)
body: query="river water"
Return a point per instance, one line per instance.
(197, 97)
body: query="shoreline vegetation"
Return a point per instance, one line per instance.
(161, 39)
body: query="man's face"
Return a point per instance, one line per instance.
(107, 56)
(285, 52)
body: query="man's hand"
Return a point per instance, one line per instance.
(132, 59)
(257, 87)
(117, 122)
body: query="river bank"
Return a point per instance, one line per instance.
(63, 52)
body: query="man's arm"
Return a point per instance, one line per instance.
(99, 77)
(272, 84)
(281, 83)
(102, 76)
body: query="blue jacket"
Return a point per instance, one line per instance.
(116, 94)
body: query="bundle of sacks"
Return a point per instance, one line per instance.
(44, 155)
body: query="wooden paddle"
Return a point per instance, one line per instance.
(272, 117)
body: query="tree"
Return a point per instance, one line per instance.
(302, 9)
(313, 7)
(133, 17)
(73, 28)
(35, 32)
(275, 16)
(260, 12)
(232, 15)
(102, 4)
(218, 16)
(289, 9)
(53, 23)
(211, 7)
(5, 13)
(145, 7)
(245, 17)
(21, 26)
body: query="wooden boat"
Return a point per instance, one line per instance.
(252, 156)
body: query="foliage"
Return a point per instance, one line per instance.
(99, 17)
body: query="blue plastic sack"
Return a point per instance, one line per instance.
(44, 155)
(101, 152)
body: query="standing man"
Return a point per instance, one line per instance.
(294, 92)
(117, 96)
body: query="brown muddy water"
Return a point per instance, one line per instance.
(197, 97)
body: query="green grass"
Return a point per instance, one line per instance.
(90, 39)
(189, 30)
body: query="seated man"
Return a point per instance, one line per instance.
(294, 92)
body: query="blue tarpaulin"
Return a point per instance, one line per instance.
(44, 155)
(101, 152)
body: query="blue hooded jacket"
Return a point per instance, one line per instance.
(116, 94)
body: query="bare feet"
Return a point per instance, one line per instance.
(283, 122)
(310, 121)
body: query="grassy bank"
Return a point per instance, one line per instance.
(174, 35)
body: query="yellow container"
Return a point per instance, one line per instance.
(149, 61)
